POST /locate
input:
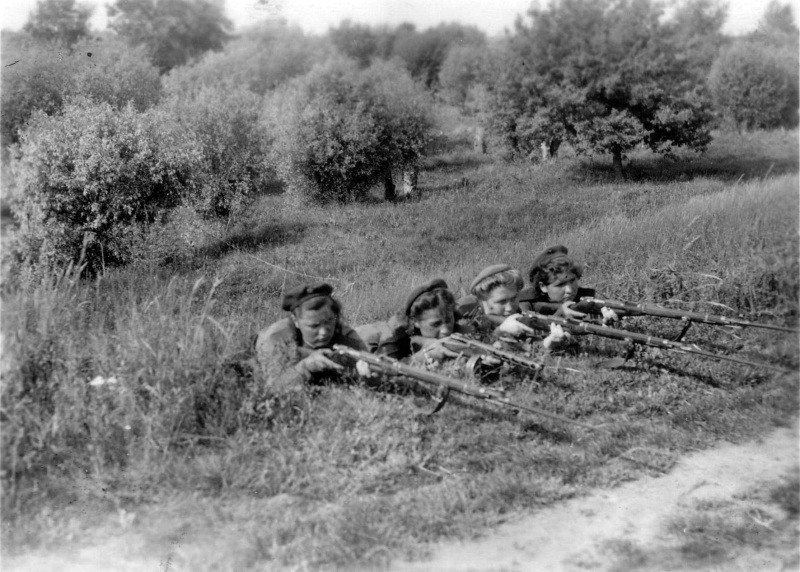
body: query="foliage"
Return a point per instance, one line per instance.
(59, 21)
(261, 58)
(696, 26)
(356, 41)
(224, 122)
(604, 76)
(91, 175)
(463, 68)
(174, 31)
(755, 85)
(117, 74)
(424, 52)
(41, 78)
(45, 75)
(338, 129)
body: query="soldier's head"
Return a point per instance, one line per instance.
(556, 275)
(496, 288)
(430, 310)
(314, 312)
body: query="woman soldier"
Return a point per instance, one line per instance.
(555, 287)
(296, 349)
(494, 306)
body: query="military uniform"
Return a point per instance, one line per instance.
(280, 347)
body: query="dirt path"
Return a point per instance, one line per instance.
(573, 535)
(566, 537)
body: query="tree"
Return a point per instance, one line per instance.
(59, 21)
(462, 68)
(91, 176)
(755, 86)
(261, 58)
(174, 31)
(356, 41)
(604, 75)
(339, 130)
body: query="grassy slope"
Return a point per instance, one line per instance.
(361, 476)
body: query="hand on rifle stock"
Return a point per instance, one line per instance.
(556, 336)
(609, 316)
(319, 361)
(567, 311)
(513, 327)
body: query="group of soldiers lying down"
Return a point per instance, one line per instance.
(296, 348)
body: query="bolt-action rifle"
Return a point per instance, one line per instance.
(579, 327)
(458, 342)
(393, 368)
(593, 305)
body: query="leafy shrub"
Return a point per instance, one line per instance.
(261, 59)
(45, 75)
(42, 77)
(755, 86)
(339, 129)
(224, 121)
(90, 176)
(116, 73)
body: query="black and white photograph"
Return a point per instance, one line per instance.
(400, 286)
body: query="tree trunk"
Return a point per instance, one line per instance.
(617, 162)
(389, 187)
(550, 149)
(410, 175)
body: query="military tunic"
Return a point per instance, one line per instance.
(278, 351)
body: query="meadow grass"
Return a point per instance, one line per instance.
(176, 431)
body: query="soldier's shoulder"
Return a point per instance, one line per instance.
(281, 331)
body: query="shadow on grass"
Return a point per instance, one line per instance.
(272, 234)
(450, 162)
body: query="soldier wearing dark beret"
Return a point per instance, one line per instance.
(294, 349)
(554, 285)
(492, 306)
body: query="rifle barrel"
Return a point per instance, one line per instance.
(636, 309)
(504, 355)
(579, 327)
(394, 367)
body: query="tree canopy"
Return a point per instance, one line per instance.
(174, 31)
(60, 21)
(605, 75)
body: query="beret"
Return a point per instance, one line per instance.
(420, 290)
(486, 272)
(294, 297)
(549, 255)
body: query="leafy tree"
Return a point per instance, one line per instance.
(174, 31)
(423, 53)
(59, 21)
(755, 85)
(462, 68)
(339, 130)
(261, 58)
(91, 176)
(356, 41)
(696, 26)
(604, 75)
(224, 122)
(777, 25)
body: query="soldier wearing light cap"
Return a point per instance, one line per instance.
(314, 324)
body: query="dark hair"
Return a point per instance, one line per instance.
(554, 271)
(318, 302)
(508, 278)
(434, 299)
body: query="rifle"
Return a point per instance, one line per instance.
(593, 305)
(394, 368)
(579, 327)
(462, 342)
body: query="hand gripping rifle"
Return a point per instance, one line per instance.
(579, 327)
(394, 368)
(593, 305)
(458, 343)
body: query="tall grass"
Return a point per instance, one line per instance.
(134, 392)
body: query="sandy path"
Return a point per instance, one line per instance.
(570, 535)
(565, 537)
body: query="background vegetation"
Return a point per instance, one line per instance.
(151, 240)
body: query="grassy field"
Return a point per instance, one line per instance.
(173, 441)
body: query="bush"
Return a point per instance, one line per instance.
(339, 130)
(89, 177)
(224, 121)
(260, 60)
(755, 86)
